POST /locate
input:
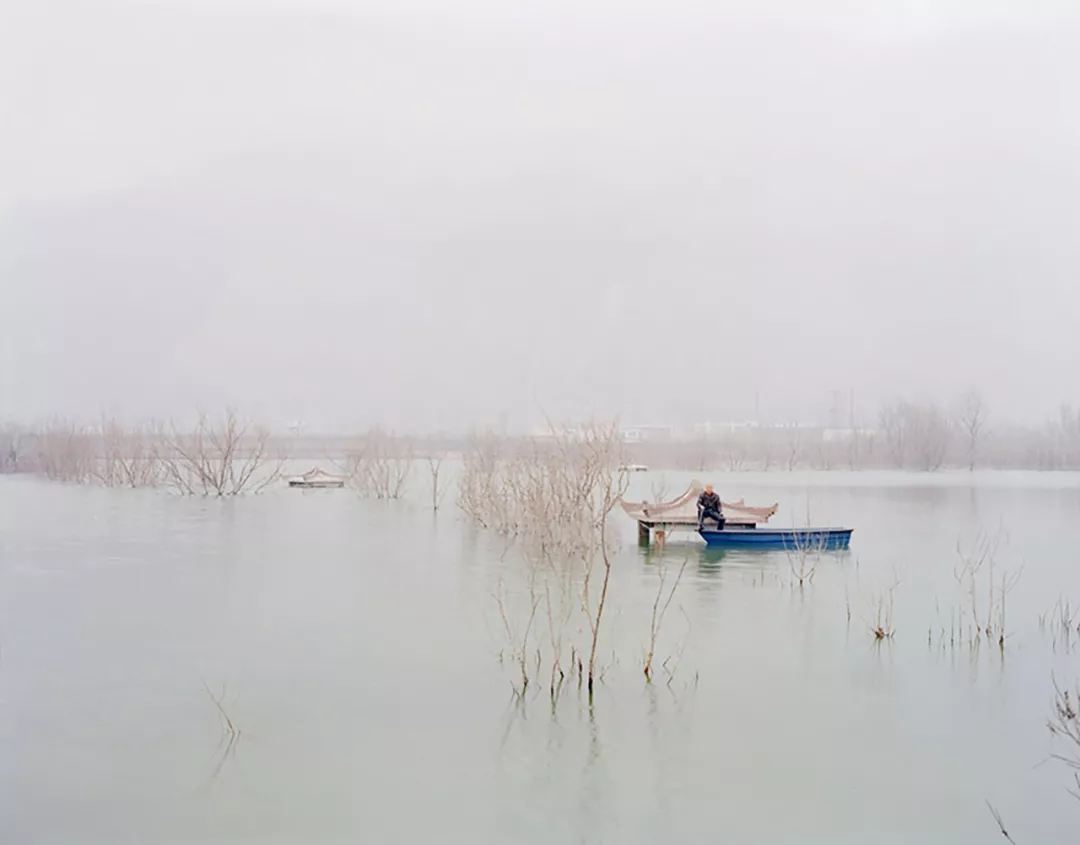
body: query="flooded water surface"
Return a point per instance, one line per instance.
(311, 667)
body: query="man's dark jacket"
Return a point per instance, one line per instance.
(708, 502)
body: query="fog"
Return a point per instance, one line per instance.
(402, 213)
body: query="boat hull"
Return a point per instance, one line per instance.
(791, 539)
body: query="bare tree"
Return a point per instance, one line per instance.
(599, 456)
(65, 451)
(929, 435)
(13, 446)
(854, 449)
(380, 465)
(224, 457)
(479, 480)
(555, 497)
(764, 449)
(794, 438)
(972, 418)
(915, 433)
(659, 490)
(390, 464)
(107, 466)
(893, 422)
(736, 449)
(128, 458)
(1066, 438)
(825, 453)
(435, 458)
(704, 457)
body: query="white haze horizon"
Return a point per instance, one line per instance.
(371, 213)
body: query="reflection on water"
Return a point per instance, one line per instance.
(350, 646)
(712, 561)
(231, 733)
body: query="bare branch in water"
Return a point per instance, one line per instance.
(230, 732)
(1000, 823)
(804, 553)
(435, 458)
(378, 465)
(553, 497)
(659, 612)
(1064, 724)
(881, 625)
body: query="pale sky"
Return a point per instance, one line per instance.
(432, 215)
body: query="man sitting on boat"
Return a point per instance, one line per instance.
(709, 507)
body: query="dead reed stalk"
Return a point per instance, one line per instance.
(1064, 726)
(659, 611)
(804, 553)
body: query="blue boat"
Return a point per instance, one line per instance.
(790, 539)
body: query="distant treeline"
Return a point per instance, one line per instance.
(906, 435)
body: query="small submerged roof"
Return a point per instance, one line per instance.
(316, 473)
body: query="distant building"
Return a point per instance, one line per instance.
(710, 430)
(647, 433)
(552, 432)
